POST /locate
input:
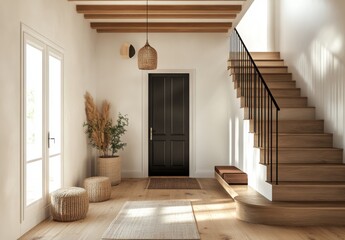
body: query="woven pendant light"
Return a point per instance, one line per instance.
(147, 55)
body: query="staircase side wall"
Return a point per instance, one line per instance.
(242, 153)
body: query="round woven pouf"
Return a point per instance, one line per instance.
(98, 188)
(69, 204)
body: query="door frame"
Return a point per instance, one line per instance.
(56, 50)
(169, 170)
(145, 118)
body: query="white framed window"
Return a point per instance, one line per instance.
(41, 125)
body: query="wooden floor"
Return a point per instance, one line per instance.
(214, 212)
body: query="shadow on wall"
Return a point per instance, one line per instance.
(244, 155)
(322, 76)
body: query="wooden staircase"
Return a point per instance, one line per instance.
(311, 170)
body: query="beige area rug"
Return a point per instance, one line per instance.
(154, 220)
(173, 183)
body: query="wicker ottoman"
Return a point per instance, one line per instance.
(98, 188)
(69, 204)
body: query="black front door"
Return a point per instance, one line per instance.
(168, 124)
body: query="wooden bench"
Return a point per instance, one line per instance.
(232, 175)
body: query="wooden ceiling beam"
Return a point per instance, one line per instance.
(153, 25)
(165, 27)
(123, 1)
(165, 30)
(159, 9)
(160, 16)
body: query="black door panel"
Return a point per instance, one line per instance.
(168, 124)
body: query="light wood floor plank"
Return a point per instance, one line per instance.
(214, 212)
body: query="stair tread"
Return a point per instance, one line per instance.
(273, 66)
(307, 148)
(292, 97)
(292, 121)
(293, 107)
(302, 204)
(265, 73)
(264, 52)
(303, 120)
(265, 59)
(302, 134)
(260, 59)
(296, 121)
(248, 195)
(288, 89)
(287, 97)
(277, 81)
(302, 183)
(258, 200)
(337, 165)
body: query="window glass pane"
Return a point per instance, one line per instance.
(54, 173)
(33, 181)
(33, 91)
(54, 105)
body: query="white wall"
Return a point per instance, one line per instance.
(311, 37)
(120, 81)
(256, 27)
(57, 20)
(242, 153)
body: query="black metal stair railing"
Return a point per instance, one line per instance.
(262, 108)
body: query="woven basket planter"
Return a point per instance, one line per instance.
(69, 204)
(109, 167)
(98, 188)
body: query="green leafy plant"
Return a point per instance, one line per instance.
(116, 131)
(99, 128)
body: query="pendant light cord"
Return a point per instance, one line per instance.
(147, 21)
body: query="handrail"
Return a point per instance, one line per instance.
(257, 69)
(258, 98)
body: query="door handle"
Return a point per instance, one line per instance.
(49, 138)
(151, 133)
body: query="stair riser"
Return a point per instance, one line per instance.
(267, 63)
(273, 84)
(286, 113)
(284, 102)
(273, 69)
(268, 77)
(261, 63)
(312, 193)
(306, 156)
(279, 77)
(288, 92)
(300, 141)
(311, 173)
(283, 84)
(278, 69)
(265, 55)
(312, 126)
(290, 215)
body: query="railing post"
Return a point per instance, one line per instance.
(277, 146)
(271, 142)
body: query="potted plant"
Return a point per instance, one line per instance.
(105, 136)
